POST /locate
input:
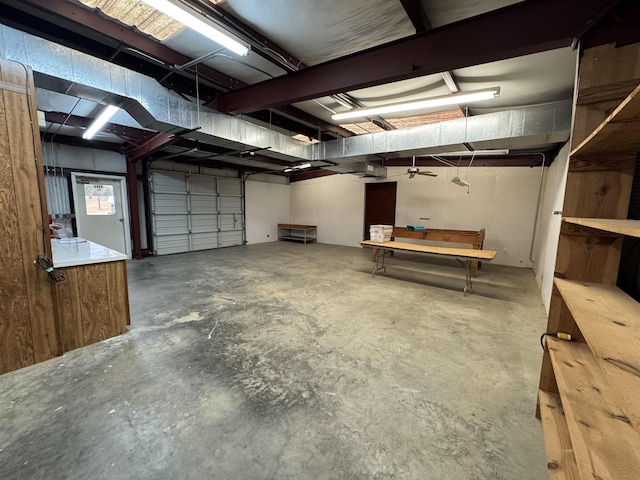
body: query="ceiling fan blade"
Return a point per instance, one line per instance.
(429, 174)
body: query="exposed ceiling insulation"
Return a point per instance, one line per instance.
(138, 14)
(362, 128)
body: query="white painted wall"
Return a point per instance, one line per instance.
(549, 224)
(67, 156)
(268, 203)
(335, 204)
(501, 200)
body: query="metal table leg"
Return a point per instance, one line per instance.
(380, 264)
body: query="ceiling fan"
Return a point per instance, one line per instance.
(413, 170)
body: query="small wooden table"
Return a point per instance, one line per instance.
(463, 255)
(299, 233)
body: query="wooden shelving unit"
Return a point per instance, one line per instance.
(297, 233)
(589, 397)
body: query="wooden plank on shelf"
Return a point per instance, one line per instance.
(26, 164)
(599, 193)
(608, 63)
(618, 133)
(605, 444)
(604, 93)
(588, 257)
(561, 461)
(609, 319)
(604, 68)
(624, 227)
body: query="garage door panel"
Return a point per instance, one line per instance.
(230, 239)
(230, 204)
(172, 244)
(202, 184)
(171, 224)
(168, 203)
(204, 223)
(229, 186)
(203, 204)
(230, 222)
(169, 182)
(204, 241)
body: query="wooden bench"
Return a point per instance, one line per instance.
(475, 238)
(464, 255)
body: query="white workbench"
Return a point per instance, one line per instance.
(71, 252)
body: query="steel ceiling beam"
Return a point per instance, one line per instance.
(531, 26)
(415, 12)
(153, 144)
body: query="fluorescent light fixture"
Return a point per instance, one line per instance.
(188, 19)
(99, 122)
(450, 82)
(455, 99)
(297, 167)
(471, 153)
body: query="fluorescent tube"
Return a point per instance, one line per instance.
(179, 13)
(99, 122)
(297, 167)
(455, 99)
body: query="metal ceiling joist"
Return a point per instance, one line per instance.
(416, 14)
(531, 26)
(151, 145)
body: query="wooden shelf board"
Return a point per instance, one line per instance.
(605, 445)
(561, 461)
(609, 320)
(618, 134)
(624, 227)
(300, 239)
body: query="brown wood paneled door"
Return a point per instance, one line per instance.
(379, 205)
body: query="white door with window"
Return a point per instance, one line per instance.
(101, 210)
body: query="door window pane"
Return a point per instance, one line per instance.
(99, 199)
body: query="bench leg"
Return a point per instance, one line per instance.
(468, 285)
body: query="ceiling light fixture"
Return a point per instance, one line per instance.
(455, 99)
(178, 12)
(470, 153)
(297, 167)
(100, 122)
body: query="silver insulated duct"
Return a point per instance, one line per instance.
(63, 70)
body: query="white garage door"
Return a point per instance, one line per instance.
(195, 212)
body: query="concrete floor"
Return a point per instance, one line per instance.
(284, 360)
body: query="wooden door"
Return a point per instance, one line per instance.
(379, 205)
